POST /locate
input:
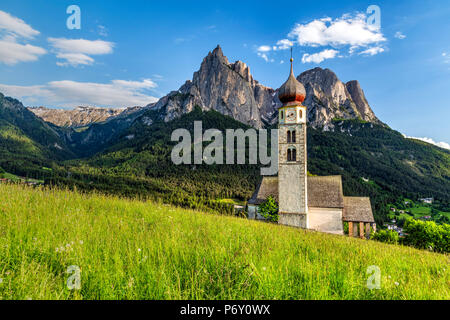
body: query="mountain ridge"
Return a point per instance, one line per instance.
(230, 89)
(79, 116)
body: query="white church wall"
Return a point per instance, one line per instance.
(327, 220)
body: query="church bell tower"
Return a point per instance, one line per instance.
(292, 154)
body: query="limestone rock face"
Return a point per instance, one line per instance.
(328, 98)
(79, 116)
(228, 88)
(358, 97)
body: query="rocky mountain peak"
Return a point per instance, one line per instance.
(328, 98)
(360, 100)
(221, 86)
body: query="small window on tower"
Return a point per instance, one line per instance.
(293, 138)
(288, 136)
(281, 114)
(301, 114)
(291, 155)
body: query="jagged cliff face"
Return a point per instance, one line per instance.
(328, 98)
(227, 88)
(230, 89)
(79, 116)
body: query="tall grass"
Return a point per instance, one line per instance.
(139, 250)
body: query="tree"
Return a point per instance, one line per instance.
(269, 209)
(387, 236)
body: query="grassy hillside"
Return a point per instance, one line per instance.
(139, 250)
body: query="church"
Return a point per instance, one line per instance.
(308, 202)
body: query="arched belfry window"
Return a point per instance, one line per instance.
(291, 155)
(301, 114)
(293, 138)
(289, 136)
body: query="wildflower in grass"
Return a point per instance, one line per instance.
(139, 249)
(1, 280)
(396, 283)
(130, 282)
(81, 242)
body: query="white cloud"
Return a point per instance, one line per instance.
(76, 52)
(265, 57)
(351, 31)
(16, 26)
(320, 56)
(284, 44)
(66, 93)
(144, 84)
(12, 52)
(347, 30)
(74, 59)
(372, 51)
(264, 49)
(443, 145)
(13, 35)
(399, 35)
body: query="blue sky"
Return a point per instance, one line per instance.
(133, 52)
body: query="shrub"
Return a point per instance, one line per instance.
(387, 236)
(2, 170)
(427, 235)
(269, 209)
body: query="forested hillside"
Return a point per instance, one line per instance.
(374, 161)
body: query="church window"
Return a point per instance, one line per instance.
(289, 136)
(291, 155)
(293, 138)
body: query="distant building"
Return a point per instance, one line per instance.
(427, 200)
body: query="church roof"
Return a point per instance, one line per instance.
(267, 187)
(292, 92)
(357, 209)
(323, 192)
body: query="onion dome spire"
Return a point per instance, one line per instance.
(292, 92)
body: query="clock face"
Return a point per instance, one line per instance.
(291, 115)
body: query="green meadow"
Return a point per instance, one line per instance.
(130, 249)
